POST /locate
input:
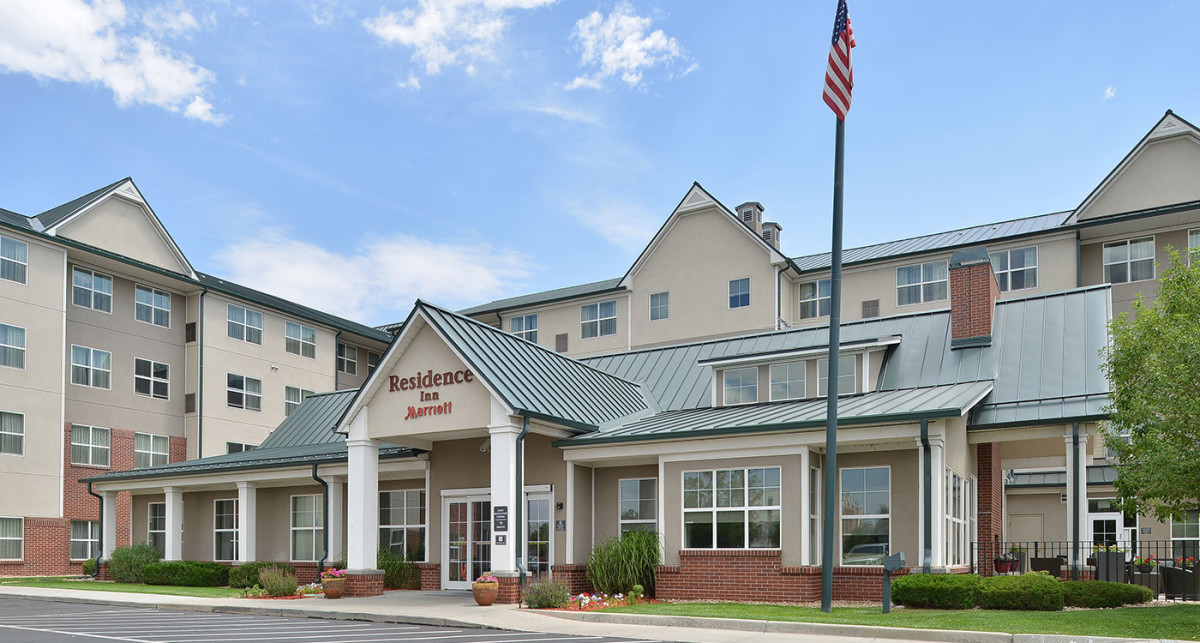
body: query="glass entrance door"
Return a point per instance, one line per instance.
(468, 551)
(538, 534)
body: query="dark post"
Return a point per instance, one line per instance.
(835, 320)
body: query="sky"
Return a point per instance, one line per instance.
(354, 156)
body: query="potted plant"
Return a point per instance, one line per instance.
(1006, 563)
(1020, 555)
(1110, 562)
(485, 589)
(333, 582)
(1146, 564)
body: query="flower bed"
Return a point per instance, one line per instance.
(592, 602)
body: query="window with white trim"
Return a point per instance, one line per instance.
(1129, 260)
(402, 523)
(91, 289)
(91, 367)
(660, 306)
(787, 381)
(244, 324)
(238, 447)
(225, 529)
(12, 346)
(921, 283)
(373, 360)
(14, 260)
(814, 514)
(525, 327)
(1185, 535)
(598, 320)
(1193, 243)
(152, 306)
(156, 525)
(741, 385)
(151, 378)
(1015, 269)
(12, 538)
(739, 292)
(299, 339)
(150, 450)
(815, 299)
(731, 509)
(847, 375)
(639, 504)
(347, 359)
(90, 445)
(243, 392)
(308, 527)
(292, 397)
(866, 515)
(958, 523)
(85, 539)
(12, 433)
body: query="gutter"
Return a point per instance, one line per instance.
(519, 530)
(100, 545)
(200, 381)
(336, 337)
(324, 520)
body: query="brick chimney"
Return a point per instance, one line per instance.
(750, 213)
(973, 295)
(770, 233)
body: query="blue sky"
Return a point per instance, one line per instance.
(356, 155)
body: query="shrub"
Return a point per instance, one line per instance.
(89, 567)
(1036, 592)
(247, 575)
(547, 595)
(126, 563)
(397, 572)
(617, 564)
(187, 573)
(278, 581)
(1092, 593)
(1135, 594)
(937, 591)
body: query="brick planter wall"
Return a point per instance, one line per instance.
(510, 589)
(306, 572)
(364, 583)
(431, 576)
(573, 576)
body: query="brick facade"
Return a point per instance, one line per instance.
(973, 295)
(573, 576)
(364, 583)
(431, 576)
(510, 589)
(990, 496)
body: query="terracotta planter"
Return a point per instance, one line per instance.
(485, 593)
(333, 587)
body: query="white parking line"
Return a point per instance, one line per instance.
(357, 636)
(46, 631)
(273, 626)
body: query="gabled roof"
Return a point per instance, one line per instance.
(12, 218)
(313, 422)
(544, 297)
(58, 214)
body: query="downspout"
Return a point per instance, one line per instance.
(927, 482)
(778, 298)
(337, 336)
(1078, 260)
(325, 519)
(520, 518)
(1075, 496)
(100, 545)
(200, 383)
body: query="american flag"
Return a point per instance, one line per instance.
(839, 75)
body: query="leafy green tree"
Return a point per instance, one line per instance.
(1153, 365)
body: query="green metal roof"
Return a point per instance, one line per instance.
(312, 422)
(55, 215)
(869, 408)
(544, 297)
(13, 218)
(1098, 475)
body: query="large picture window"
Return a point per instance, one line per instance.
(731, 509)
(598, 320)
(300, 340)
(152, 306)
(741, 385)
(866, 515)
(91, 367)
(14, 262)
(402, 523)
(12, 346)
(91, 290)
(90, 445)
(12, 433)
(245, 324)
(922, 283)
(1016, 269)
(787, 381)
(156, 525)
(639, 504)
(12, 538)
(847, 375)
(225, 529)
(85, 539)
(243, 392)
(525, 327)
(150, 450)
(1131, 260)
(815, 299)
(308, 527)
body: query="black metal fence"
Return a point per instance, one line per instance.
(1168, 567)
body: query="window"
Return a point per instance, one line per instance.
(1016, 269)
(89, 445)
(12, 433)
(156, 525)
(660, 306)
(347, 359)
(1131, 260)
(14, 262)
(866, 515)
(225, 529)
(958, 523)
(85, 539)
(245, 324)
(1185, 536)
(814, 299)
(292, 397)
(300, 340)
(91, 367)
(402, 523)
(308, 527)
(525, 327)
(244, 392)
(739, 293)
(238, 447)
(787, 381)
(151, 378)
(373, 360)
(12, 538)
(92, 290)
(150, 450)
(152, 306)
(12, 346)
(921, 283)
(1193, 243)
(814, 514)
(731, 509)
(597, 320)
(846, 375)
(741, 385)
(639, 504)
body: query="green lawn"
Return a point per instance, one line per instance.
(1171, 622)
(99, 586)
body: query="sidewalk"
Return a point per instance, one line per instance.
(457, 609)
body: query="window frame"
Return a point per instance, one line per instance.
(91, 289)
(843, 516)
(235, 530)
(150, 530)
(245, 446)
(921, 285)
(23, 348)
(21, 521)
(93, 539)
(244, 325)
(155, 293)
(243, 392)
(713, 509)
(803, 365)
(301, 343)
(959, 525)
(816, 300)
(373, 359)
(664, 305)
(155, 440)
(1006, 285)
(20, 437)
(621, 520)
(1194, 540)
(152, 379)
(24, 265)
(91, 446)
(725, 386)
(1193, 249)
(316, 531)
(1128, 261)
(289, 406)
(91, 370)
(598, 320)
(421, 525)
(345, 363)
(525, 332)
(739, 294)
(853, 390)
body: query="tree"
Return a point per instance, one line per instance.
(1153, 366)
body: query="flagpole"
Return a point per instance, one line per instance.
(831, 416)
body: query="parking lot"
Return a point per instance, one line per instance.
(40, 621)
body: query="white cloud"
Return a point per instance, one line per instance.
(565, 114)
(378, 280)
(170, 21)
(620, 45)
(327, 12)
(444, 33)
(413, 83)
(72, 41)
(624, 224)
(1109, 92)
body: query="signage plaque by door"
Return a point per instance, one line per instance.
(500, 518)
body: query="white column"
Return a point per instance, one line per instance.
(362, 496)
(937, 453)
(174, 526)
(1077, 502)
(504, 493)
(108, 527)
(569, 503)
(805, 508)
(247, 522)
(335, 522)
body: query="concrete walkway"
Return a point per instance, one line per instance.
(457, 609)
